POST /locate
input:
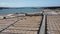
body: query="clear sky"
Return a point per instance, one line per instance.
(29, 3)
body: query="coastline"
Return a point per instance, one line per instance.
(31, 22)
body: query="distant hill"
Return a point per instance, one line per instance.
(20, 8)
(54, 7)
(4, 8)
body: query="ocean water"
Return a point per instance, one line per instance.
(7, 11)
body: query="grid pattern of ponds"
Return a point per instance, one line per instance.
(25, 25)
(53, 24)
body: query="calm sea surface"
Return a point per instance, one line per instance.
(7, 11)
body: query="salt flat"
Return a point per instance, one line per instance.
(6, 22)
(53, 24)
(25, 25)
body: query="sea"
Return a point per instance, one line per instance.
(15, 10)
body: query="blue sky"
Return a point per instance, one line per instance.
(29, 3)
